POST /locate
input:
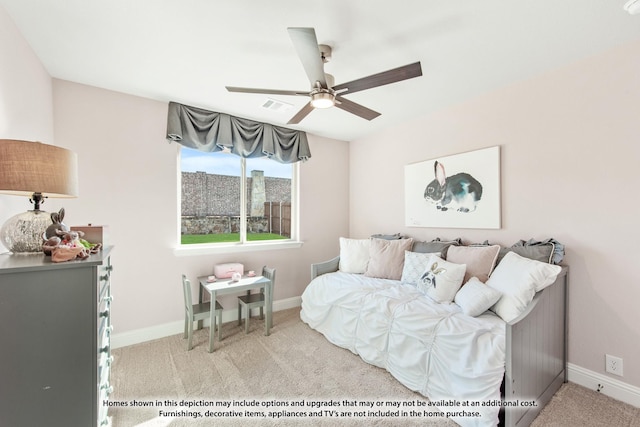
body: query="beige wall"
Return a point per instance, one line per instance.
(26, 109)
(569, 153)
(129, 180)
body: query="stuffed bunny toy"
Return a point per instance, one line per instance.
(58, 225)
(460, 191)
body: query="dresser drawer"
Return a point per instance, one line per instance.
(104, 369)
(104, 366)
(104, 358)
(104, 291)
(105, 390)
(104, 334)
(104, 309)
(104, 278)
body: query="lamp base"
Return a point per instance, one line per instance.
(23, 233)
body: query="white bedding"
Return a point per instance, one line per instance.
(431, 348)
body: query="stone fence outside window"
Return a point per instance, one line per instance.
(211, 203)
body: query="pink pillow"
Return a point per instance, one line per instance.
(480, 260)
(386, 258)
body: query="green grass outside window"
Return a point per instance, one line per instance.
(188, 239)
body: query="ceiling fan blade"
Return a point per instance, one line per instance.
(384, 78)
(304, 112)
(266, 91)
(306, 45)
(355, 108)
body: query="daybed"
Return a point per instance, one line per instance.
(496, 339)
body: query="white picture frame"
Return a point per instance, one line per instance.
(456, 191)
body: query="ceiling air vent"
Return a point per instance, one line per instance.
(275, 105)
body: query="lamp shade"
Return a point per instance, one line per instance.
(32, 167)
(36, 170)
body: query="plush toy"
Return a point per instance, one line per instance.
(50, 245)
(71, 238)
(69, 245)
(58, 225)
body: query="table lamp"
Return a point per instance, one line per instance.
(39, 171)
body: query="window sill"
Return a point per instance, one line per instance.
(222, 248)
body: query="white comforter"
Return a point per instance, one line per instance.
(431, 348)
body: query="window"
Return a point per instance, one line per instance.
(230, 200)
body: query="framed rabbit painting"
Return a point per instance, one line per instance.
(458, 191)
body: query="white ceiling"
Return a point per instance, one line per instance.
(188, 50)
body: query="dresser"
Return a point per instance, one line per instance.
(55, 327)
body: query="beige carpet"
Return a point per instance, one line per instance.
(294, 365)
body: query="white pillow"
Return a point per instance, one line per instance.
(441, 279)
(475, 297)
(518, 279)
(354, 255)
(415, 263)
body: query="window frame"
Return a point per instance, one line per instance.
(243, 245)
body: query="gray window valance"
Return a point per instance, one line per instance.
(210, 131)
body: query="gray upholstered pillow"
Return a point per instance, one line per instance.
(396, 236)
(434, 246)
(386, 258)
(542, 253)
(480, 260)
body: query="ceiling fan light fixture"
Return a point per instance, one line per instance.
(323, 99)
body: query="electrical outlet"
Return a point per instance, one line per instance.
(613, 364)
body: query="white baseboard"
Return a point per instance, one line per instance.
(160, 331)
(608, 386)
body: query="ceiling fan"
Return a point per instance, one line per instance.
(323, 93)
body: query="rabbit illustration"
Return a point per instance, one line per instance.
(460, 191)
(428, 278)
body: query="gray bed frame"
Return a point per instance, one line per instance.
(536, 349)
